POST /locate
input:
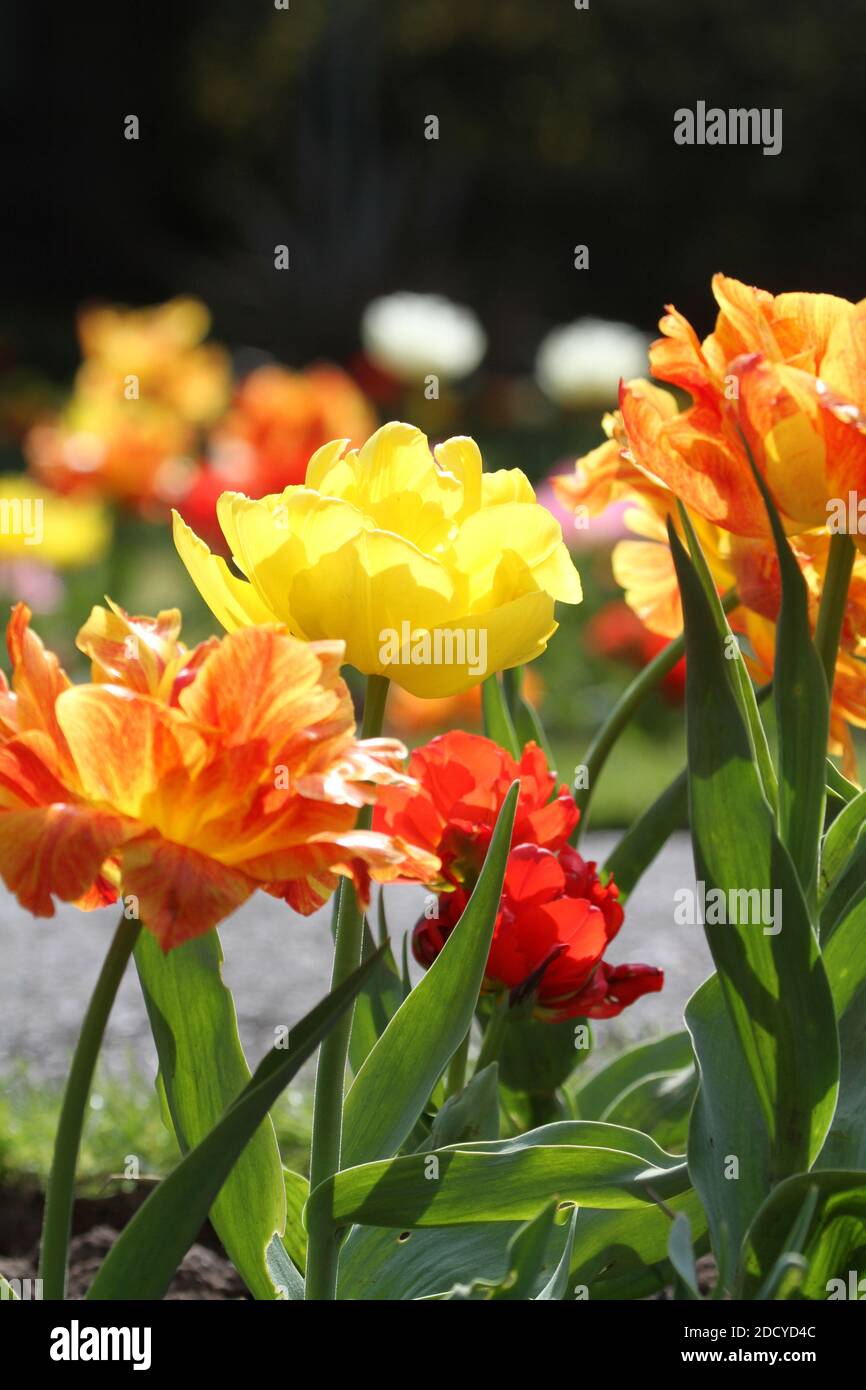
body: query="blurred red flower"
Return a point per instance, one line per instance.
(616, 631)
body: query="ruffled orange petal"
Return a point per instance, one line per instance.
(55, 850)
(181, 893)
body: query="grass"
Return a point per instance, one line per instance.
(124, 1122)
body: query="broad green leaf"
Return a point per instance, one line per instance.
(509, 1180)
(377, 1263)
(845, 963)
(802, 713)
(682, 1255)
(841, 838)
(624, 1254)
(470, 1114)
(376, 1005)
(658, 1105)
(600, 1092)
(790, 1268)
(729, 1146)
(295, 1238)
(833, 1245)
(142, 1261)
(525, 1265)
(838, 785)
(202, 1070)
(846, 886)
(498, 723)
(734, 667)
(557, 1285)
(7, 1293)
(642, 842)
(770, 969)
(393, 1086)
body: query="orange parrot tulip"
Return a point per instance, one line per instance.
(789, 371)
(186, 780)
(644, 567)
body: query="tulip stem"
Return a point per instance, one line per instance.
(323, 1240)
(831, 613)
(60, 1194)
(629, 702)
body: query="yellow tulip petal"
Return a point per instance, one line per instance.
(467, 651)
(461, 457)
(234, 602)
(505, 485)
(367, 589)
(526, 531)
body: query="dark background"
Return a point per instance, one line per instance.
(306, 127)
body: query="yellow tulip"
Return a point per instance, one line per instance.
(432, 572)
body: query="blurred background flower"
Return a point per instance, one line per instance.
(580, 365)
(412, 336)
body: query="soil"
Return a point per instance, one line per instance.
(206, 1272)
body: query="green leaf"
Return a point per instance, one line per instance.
(376, 1005)
(841, 838)
(498, 723)
(729, 1145)
(509, 1180)
(557, 1285)
(202, 1070)
(845, 963)
(470, 1114)
(771, 973)
(538, 1057)
(833, 1245)
(734, 666)
(682, 1255)
(393, 1086)
(295, 1238)
(7, 1293)
(802, 712)
(638, 847)
(624, 1254)
(838, 785)
(527, 1251)
(142, 1261)
(377, 1263)
(658, 1105)
(845, 887)
(601, 1092)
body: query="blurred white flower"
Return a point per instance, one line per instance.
(581, 364)
(415, 335)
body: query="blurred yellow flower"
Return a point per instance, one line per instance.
(163, 348)
(41, 526)
(432, 572)
(146, 388)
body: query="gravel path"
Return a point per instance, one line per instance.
(277, 965)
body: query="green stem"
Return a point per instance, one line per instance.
(323, 1243)
(61, 1183)
(631, 699)
(834, 596)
